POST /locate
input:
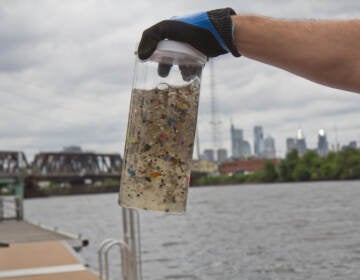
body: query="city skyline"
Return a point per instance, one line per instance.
(265, 147)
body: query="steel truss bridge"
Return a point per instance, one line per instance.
(73, 168)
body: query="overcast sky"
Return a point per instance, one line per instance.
(66, 69)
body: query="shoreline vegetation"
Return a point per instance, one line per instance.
(342, 165)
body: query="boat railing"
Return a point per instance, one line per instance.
(11, 207)
(129, 249)
(103, 257)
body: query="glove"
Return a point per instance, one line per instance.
(209, 32)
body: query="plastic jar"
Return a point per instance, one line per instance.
(161, 129)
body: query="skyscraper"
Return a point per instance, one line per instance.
(236, 139)
(300, 142)
(245, 149)
(221, 155)
(209, 155)
(269, 147)
(323, 147)
(290, 145)
(258, 141)
(240, 148)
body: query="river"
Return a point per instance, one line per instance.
(255, 232)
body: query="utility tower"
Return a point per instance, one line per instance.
(215, 122)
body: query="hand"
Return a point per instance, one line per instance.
(210, 32)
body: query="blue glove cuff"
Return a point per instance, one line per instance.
(202, 20)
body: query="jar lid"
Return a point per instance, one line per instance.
(173, 52)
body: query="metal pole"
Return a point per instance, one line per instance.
(1, 209)
(131, 227)
(19, 208)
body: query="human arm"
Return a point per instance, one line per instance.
(324, 51)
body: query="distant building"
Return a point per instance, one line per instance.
(236, 139)
(244, 166)
(323, 146)
(245, 149)
(72, 149)
(221, 155)
(209, 155)
(352, 144)
(290, 145)
(258, 141)
(204, 166)
(300, 142)
(269, 147)
(240, 148)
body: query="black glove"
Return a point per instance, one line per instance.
(209, 32)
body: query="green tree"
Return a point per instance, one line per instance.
(301, 172)
(269, 173)
(348, 163)
(288, 165)
(328, 168)
(311, 162)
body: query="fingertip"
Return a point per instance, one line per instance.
(147, 45)
(164, 69)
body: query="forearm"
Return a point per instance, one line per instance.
(327, 52)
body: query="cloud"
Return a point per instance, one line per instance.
(66, 70)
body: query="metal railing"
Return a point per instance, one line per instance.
(129, 249)
(11, 207)
(103, 257)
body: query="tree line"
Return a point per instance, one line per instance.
(342, 165)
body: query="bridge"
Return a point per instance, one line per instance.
(12, 164)
(62, 168)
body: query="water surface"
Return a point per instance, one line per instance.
(267, 231)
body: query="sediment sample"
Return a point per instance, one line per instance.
(159, 147)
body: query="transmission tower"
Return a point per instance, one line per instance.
(215, 122)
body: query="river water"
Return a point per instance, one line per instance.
(256, 232)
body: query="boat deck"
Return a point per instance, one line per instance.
(32, 252)
(13, 231)
(50, 260)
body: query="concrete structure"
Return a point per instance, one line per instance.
(244, 166)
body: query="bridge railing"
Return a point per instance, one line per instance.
(11, 207)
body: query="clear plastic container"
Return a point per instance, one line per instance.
(161, 129)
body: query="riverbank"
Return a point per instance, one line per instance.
(343, 165)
